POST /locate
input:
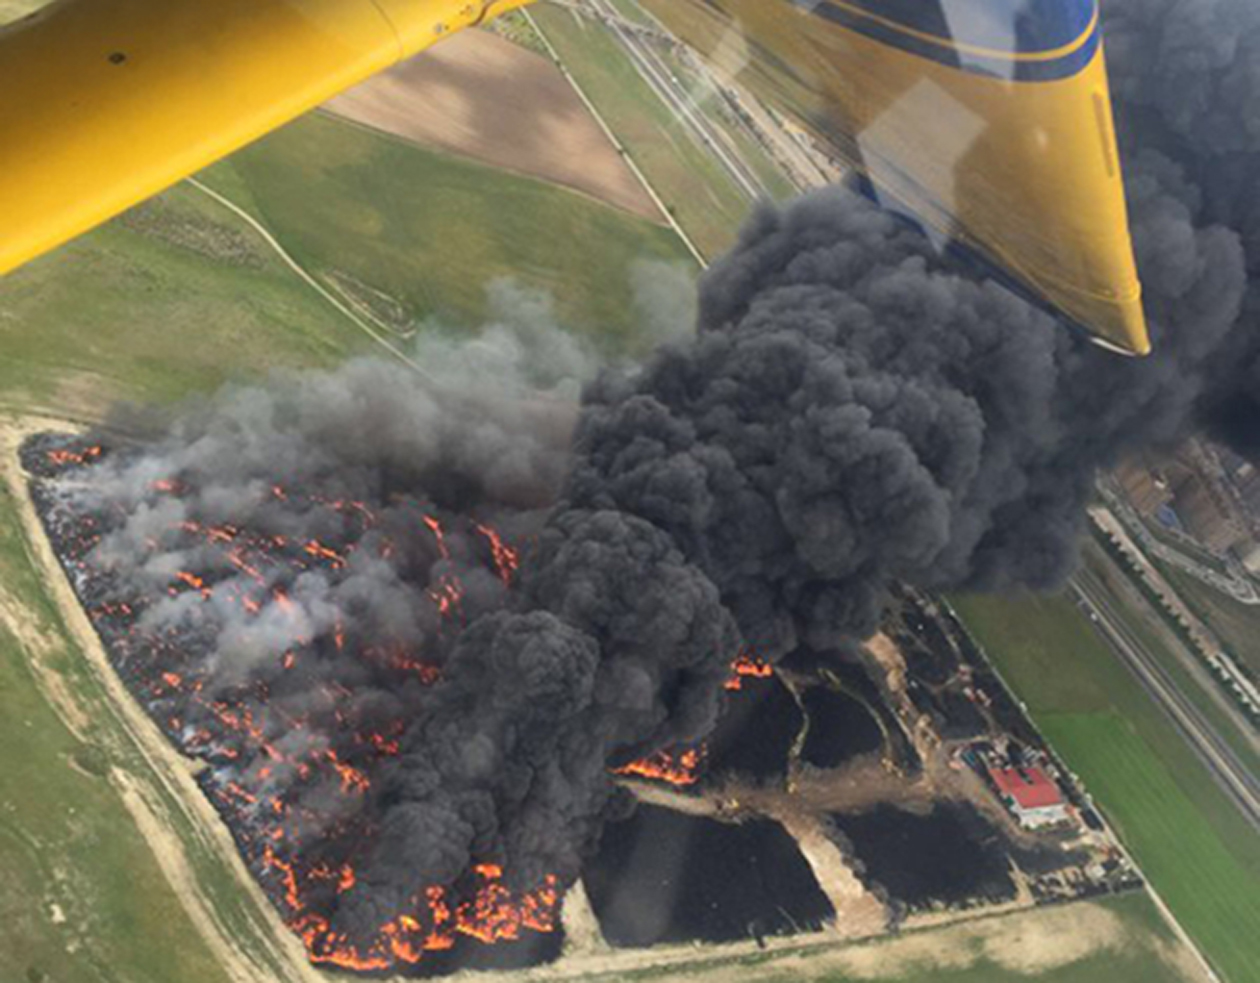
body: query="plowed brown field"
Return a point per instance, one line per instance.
(479, 95)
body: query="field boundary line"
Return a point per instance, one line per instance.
(164, 775)
(620, 147)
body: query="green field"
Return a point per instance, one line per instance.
(180, 295)
(431, 230)
(65, 837)
(1198, 851)
(1149, 627)
(175, 297)
(702, 197)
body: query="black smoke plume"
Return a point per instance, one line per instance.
(853, 409)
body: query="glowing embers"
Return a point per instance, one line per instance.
(680, 767)
(754, 736)
(748, 666)
(248, 642)
(479, 909)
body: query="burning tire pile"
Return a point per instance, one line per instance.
(292, 751)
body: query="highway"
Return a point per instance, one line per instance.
(1225, 766)
(661, 79)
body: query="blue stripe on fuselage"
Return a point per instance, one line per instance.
(995, 31)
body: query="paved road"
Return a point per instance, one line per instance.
(660, 77)
(1230, 772)
(1234, 582)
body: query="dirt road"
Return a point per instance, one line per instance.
(162, 796)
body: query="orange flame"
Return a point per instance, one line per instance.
(447, 595)
(747, 664)
(492, 915)
(506, 559)
(76, 457)
(681, 768)
(195, 582)
(321, 552)
(435, 527)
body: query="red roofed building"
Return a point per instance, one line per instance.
(1031, 795)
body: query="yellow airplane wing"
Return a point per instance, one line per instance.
(992, 126)
(103, 103)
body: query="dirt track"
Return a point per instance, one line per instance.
(479, 95)
(167, 773)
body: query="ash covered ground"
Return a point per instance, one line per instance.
(297, 730)
(297, 748)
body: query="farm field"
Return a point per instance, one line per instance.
(180, 295)
(431, 230)
(1198, 851)
(702, 197)
(173, 297)
(482, 96)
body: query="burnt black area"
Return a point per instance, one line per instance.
(950, 855)
(922, 663)
(662, 876)
(840, 728)
(756, 733)
(924, 642)
(849, 675)
(158, 670)
(1003, 709)
(960, 719)
(932, 634)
